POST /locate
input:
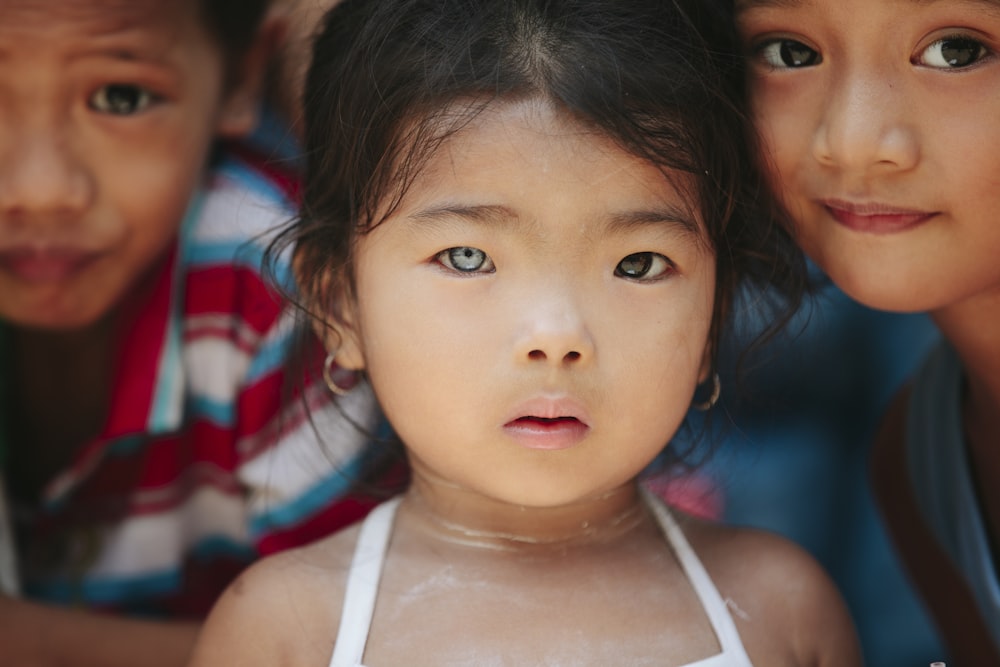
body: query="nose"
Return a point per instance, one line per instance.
(555, 332)
(41, 173)
(864, 126)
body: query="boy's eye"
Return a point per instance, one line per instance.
(644, 266)
(121, 99)
(787, 53)
(466, 260)
(952, 53)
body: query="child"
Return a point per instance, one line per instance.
(880, 117)
(524, 222)
(142, 352)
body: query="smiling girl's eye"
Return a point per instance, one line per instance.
(644, 266)
(466, 260)
(787, 53)
(121, 99)
(952, 53)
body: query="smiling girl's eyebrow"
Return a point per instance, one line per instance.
(993, 6)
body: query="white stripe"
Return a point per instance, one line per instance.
(158, 542)
(215, 368)
(231, 211)
(299, 459)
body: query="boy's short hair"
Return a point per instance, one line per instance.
(234, 22)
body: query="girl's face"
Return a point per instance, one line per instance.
(534, 316)
(882, 122)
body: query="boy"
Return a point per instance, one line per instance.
(880, 117)
(147, 451)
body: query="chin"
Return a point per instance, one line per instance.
(879, 293)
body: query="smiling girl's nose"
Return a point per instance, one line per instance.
(864, 126)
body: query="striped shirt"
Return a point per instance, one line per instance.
(207, 460)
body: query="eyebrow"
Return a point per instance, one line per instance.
(744, 5)
(493, 215)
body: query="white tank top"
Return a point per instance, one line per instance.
(369, 557)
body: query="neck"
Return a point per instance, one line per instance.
(457, 515)
(973, 328)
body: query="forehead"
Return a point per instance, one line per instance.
(89, 18)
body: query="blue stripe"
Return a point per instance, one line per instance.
(269, 357)
(118, 590)
(320, 496)
(252, 179)
(222, 414)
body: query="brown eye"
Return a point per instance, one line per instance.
(788, 53)
(953, 53)
(120, 99)
(644, 266)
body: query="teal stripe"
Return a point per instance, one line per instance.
(118, 590)
(321, 495)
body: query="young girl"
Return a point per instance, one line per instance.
(881, 122)
(524, 222)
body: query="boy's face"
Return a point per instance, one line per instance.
(107, 112)
(883, 123)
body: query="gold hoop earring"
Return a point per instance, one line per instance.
(716, 392)
(329, 368)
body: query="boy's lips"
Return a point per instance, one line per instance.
(875, 217)
(43, 266)
(548, 424)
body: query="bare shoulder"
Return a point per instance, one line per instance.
(786, 607)
(283, 610)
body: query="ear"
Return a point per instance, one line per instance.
(246, 80)
(335, 315)
(341, 335)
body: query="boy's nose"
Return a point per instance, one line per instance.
(555, 332)
(864, 127)
(40, 174)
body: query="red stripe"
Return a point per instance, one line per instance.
(231, 291)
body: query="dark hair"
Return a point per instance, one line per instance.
(391, 79)
(234, 23)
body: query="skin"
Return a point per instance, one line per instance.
(108, 110)
(880, 120)
(507, 514)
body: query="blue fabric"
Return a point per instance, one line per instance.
(941, 477)
(790, 450)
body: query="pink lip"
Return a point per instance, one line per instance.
(874, 217)
(44, 265)
(548, 424)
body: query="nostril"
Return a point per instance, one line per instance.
(536, 355)
(572, 356)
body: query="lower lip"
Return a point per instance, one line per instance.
(44, 268)
(881, 223)
(547, 435)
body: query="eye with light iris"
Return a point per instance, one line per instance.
(465, 259)
(121, 99)
(788, 53)
(644, 266)
(953, 53)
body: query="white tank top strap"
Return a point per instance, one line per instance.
(362, 585)
(733, 654)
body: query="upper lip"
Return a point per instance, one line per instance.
(872, 208)
(550, 407)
